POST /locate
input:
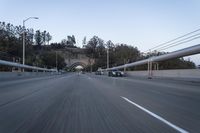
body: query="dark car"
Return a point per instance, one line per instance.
(115, 73)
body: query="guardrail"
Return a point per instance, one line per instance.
(13, 64)
(176, 54)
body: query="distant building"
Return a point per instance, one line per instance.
(198, 66)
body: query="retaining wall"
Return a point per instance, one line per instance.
(18, 75)
(177, 73)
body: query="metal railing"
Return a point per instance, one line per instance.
(176, 54)
(18, 65)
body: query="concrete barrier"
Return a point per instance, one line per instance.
(20, 75)
(177, 73)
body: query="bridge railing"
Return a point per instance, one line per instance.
(18, 65)
(176, 54)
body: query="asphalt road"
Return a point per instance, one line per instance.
(88, 103)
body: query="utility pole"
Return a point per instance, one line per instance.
(91, 63)
(56, 61)
(150, 74)
(124, 64)
(24, 37)
(23, 43)
(107, 58)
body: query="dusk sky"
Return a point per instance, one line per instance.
(141, 23)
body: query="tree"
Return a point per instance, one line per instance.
(125, 53)
(44, 38)
(38, 39)
(84, 41)
(8, 41)
(48, 37)
(92, 45)
(95, 49)
(71, 41)
(58, 45)
(64, 42)
(29, 36)
(111, 47)
(49, 60)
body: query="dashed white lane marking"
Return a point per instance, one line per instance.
(156, 116)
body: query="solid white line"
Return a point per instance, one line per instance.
(156, 116)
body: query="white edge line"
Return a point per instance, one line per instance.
(156, 116)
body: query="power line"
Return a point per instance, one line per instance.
(180, 43)
(177, 42)
(173, 40)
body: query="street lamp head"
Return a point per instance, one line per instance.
(30, 18)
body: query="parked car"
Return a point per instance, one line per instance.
(115, 73)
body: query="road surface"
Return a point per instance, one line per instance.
(88, 103)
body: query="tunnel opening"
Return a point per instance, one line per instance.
(78, 66)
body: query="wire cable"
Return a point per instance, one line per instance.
(162, 44)
(178, 42)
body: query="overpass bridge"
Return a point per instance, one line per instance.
(75, 57)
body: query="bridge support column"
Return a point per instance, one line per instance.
(156, 66)
(150, 69)
(91, 68)
(124, 69)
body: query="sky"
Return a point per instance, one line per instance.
(140, 23)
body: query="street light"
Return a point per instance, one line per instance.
(24, 36)
(56, 61)
(107, 57)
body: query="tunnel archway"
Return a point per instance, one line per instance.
(73, 66)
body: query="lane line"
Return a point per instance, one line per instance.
(156, 116)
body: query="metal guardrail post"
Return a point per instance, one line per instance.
(150, 74)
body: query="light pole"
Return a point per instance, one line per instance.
(24, 37)
(56, 61)
(107, 58)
